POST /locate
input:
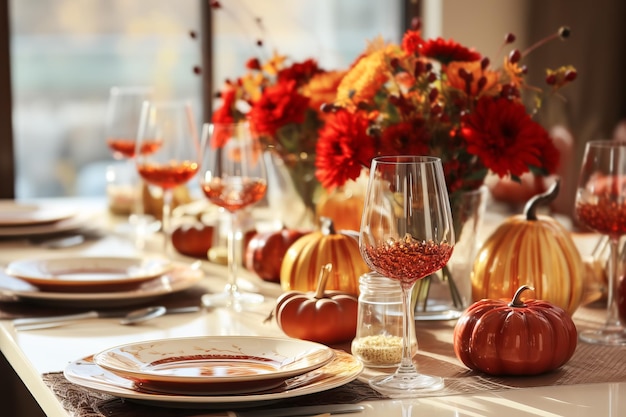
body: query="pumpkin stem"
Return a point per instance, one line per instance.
(516, 301)
(322, 280)
(327, 226)
(530, 210)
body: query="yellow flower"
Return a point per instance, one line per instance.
(364, 79)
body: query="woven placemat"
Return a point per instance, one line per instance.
(590, 364)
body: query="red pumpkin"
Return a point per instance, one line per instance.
(266, 250)
(193, 239)
(321, 316)
(514, 338)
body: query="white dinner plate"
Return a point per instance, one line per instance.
(14, 214)
(87, 273)
(211, 365)
(343, 369)
(180, 277)
(65, 225)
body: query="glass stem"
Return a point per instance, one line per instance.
(407, 366)
(613, 319)
(137, 187)
(165, 222)
(234, 236)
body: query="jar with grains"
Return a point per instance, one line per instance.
(378, 340)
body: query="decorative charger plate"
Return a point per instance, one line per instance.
(343, 369)
(211, 365)
(14, 214)
(180, 277)
(87, 273)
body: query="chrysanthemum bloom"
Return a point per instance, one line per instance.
(280, 104)
(343, 148)
(506, 139)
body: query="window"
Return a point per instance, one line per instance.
(65, 55)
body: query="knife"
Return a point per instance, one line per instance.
(33, 323)
(311, 410)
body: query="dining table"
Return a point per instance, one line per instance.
(591, 383)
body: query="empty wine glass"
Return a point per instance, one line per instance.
(167, 151)
(601, 206)
(232, 176)
(406, 234)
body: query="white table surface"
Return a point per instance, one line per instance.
(32, 353)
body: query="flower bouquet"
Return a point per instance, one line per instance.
(437, 97)
(281, 100)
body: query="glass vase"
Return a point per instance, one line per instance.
(447, 293)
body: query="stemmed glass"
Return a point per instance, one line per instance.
(406, 234)
(121, 124)
(167, 151)
(601, 206)
(232, 176)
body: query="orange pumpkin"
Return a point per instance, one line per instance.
(343, 206)
(321, 316)
(499, 337)
(534, 250)
(310, 253)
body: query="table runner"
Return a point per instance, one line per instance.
(590, 364)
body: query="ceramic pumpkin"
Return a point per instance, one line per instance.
(311, 252)
(320, 316)
(534, 250)
(487, 336)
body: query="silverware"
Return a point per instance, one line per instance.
(310, 410)
(128, 317)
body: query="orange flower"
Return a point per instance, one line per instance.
(478, 82)
(362, 82)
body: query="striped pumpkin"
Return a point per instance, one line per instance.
(533, 250)
(305, 258)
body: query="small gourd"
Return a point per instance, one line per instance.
(534, 250)
(306, 256)
(528, 337)
(323, 316)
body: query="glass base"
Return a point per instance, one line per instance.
(236, 300)
(609, 336)
(407, 385)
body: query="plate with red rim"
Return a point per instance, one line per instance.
(343, 369)
(14, 214)
(88, 273)
(180, 277)
(212, 365)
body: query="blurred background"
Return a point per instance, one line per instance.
(65, 55)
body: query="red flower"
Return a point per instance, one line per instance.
(506, 139)
(224, 117)
(411, 41)
(300, 72)
(405, 138)
(343, 148)
(446, 51)
(253, 64)
(280, 104)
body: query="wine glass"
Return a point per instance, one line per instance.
(167, 151)
(121, 124)
(601, 206)
(232, 176)
(406, 234)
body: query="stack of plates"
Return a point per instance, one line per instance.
(96, 281)
(216, 370)
(18, 219)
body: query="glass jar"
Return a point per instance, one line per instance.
(378, 339)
